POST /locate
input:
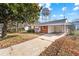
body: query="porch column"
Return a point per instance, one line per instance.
(65, 28)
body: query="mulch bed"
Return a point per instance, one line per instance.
(65, 46)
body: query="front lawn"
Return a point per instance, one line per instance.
(16, 38)
(76, 32)
(66, 46)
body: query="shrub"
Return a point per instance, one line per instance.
(30, 31)
(72, 29)
(14, 30)
(71, 33)
(11, 30)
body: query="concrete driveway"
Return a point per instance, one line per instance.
(32, 47)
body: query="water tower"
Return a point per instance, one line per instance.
(45, 14)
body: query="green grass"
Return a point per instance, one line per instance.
(76, 32)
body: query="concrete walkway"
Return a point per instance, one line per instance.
(32, 47)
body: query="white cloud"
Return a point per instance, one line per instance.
(76, 4)
(48, 4)
(61, 15)
(54, 15)
(64, 8)
(71, 14)
(76, 8)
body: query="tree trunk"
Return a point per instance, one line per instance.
(16, 26)
(4, 30)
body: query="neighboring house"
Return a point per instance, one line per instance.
(76, 24)
(52, 26)
(26, 26)
(14, 25)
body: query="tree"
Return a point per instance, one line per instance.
(18, 12)
(5, 14)
(72, 29)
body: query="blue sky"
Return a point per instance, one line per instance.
(58, 10)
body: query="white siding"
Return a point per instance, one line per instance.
(50, 29)
(56, 29)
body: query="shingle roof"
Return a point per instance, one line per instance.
(56, 22)
(75, 21)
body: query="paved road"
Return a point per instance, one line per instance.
(32, 47)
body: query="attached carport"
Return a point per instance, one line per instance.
(57, 28)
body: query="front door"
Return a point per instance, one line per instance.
(44, 29)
